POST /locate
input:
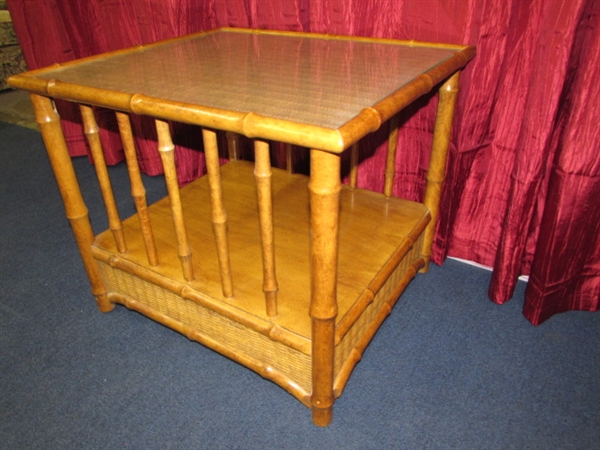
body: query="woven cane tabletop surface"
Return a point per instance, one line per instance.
(319, 81)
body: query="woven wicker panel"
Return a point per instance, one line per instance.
(359, 328)
(238, 338)
(232, 335)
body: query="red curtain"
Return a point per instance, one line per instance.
(523, 180)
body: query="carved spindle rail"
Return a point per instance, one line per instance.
(93, 136)
(167, 154)
(262, 172)
(353, 166)
(233, 145)
(289, 159)
(390, 164)
(138, 192)
(219, 216)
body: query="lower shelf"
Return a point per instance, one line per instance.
(380, 241)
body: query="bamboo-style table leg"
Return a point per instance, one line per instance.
(324, 189)
(448, 93)
(75, 208)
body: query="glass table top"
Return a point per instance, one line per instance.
(301, 78)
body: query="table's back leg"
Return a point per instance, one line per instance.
(439, 152)
(353, 177)
(233, 145)
(75, 208)
(390, 165)
(324, 189)
(289, 159)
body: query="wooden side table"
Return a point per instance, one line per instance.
(287, 274)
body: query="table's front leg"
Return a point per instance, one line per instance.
(325, 189)
(76, 211)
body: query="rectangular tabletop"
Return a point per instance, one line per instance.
(313, 90)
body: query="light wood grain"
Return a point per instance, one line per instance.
(167, 155)
(93, 136)
(218, 212)
(263, 173)
(439, 154)
(138, 192)
(390, 164)
(75, 208)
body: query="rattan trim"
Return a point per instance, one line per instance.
(278, 362)
(272, 359)
(350, 349)
(268, 329)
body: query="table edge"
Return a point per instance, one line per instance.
(251, 124)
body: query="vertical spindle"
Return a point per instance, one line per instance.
(138, 192)
(219, 216)
(289, 158)
(390, 165)
(262, 172)
(93, 136)
(233, 145)
(167, 155)
(354, 165)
